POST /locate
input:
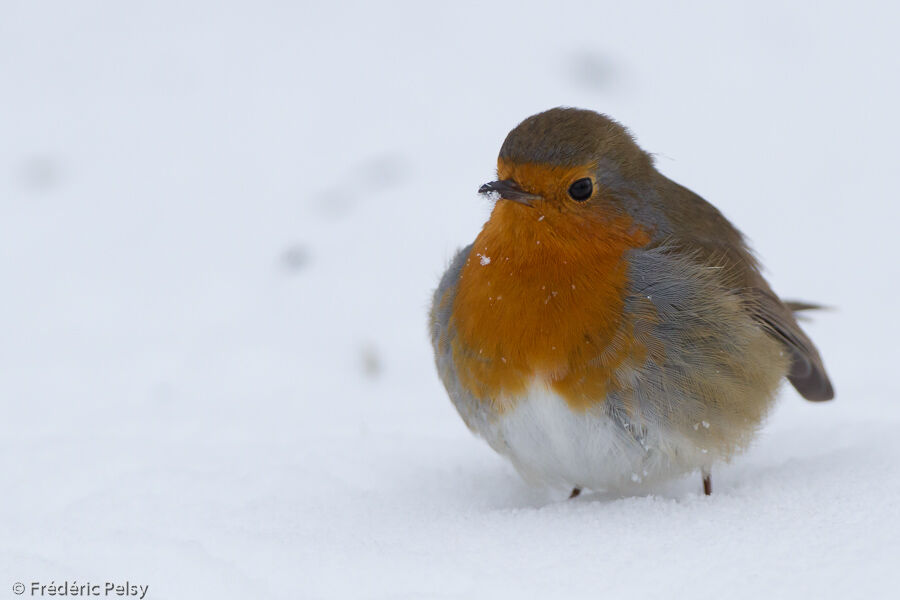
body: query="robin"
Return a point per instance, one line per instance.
(609, 328)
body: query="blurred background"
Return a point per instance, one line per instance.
(220, 226)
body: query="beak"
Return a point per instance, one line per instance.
(509, 190)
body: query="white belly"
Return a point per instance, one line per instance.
(551, 444)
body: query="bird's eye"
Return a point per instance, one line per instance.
(582, 189)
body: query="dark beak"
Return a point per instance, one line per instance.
(509, 190)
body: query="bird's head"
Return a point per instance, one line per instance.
(569, 161)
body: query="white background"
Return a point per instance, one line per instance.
(220, 226)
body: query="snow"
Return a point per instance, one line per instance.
(221, 225)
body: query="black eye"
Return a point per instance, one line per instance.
(582, 189)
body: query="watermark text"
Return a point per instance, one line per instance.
(125, 589)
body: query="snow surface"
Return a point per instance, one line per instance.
(220, 226)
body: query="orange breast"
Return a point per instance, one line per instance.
(542, 294)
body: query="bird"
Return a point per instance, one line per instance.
(609, 329)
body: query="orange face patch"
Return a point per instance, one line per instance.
(542, 294)
(548, 181)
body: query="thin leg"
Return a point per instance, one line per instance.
(707, 482)
(575, 492)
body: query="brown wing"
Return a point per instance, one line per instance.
(807, 373)
(699, 228)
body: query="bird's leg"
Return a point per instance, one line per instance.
(575, 492)
(707, 482)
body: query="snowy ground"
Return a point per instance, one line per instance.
(219, 230)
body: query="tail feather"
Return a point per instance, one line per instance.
(800, 305)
